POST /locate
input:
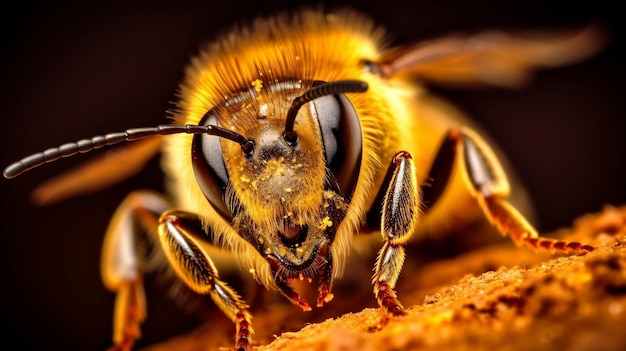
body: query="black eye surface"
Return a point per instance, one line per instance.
(209, 167)
(342, 139)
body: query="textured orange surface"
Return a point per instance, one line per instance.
(496, 298)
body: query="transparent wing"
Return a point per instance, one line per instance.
(492, 58)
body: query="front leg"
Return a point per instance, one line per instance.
(400, 216)
(180, 234)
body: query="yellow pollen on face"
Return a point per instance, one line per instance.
(325, 223)
(257, 84)
(274, 168)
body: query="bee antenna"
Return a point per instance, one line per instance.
(331, 88)
(86, 145)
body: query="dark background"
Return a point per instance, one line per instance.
(74, 70)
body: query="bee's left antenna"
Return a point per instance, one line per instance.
(86, 145)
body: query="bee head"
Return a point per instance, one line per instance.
(288, 193)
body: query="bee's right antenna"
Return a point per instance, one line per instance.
(332, 88)
(86, 145)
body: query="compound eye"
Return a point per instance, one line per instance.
(209, 167)
(342, 139)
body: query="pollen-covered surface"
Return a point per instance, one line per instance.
(497, 298)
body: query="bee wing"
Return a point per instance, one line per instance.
(492, 58)
(98, 173)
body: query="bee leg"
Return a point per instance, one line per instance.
(180, 234)
(400, 215)
(120, 263)
(487, 183)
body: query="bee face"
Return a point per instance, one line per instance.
(285, 197)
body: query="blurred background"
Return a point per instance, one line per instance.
(74, 70)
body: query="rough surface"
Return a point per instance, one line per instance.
(500, 297)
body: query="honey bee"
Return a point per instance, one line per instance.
(298, 137)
